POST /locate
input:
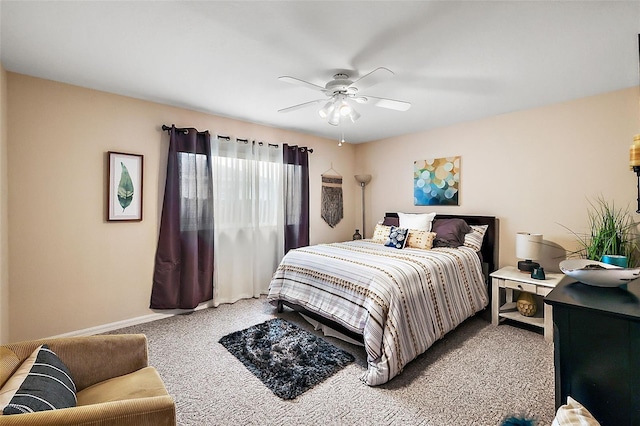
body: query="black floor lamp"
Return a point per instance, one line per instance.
(363, 180)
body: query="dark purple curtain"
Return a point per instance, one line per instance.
(296, 204)
(183, 275)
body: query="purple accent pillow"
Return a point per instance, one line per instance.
(391, 221)
(450, 232)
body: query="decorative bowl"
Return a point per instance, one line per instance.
(598, 274)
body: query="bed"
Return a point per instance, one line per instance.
(396, 302)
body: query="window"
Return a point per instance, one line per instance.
(196, 209)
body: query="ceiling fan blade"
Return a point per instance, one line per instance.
(374, 77)
(300, 106)
(298, 82)
(384, 103)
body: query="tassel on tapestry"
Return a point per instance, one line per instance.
(331, 199)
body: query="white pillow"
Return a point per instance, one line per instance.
(420, 222)
(574, 414)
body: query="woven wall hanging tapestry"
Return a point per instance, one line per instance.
(331, 197)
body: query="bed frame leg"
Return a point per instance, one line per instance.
(280, 306)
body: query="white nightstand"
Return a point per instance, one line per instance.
(510, 278)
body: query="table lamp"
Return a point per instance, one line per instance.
(528, 247)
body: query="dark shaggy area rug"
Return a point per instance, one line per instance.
(286, 358)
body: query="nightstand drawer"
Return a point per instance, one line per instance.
(516, 285)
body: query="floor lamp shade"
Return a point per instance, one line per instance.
(363, 180)
(528, 247)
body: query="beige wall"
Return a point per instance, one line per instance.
(4, 241)
(69, 268)
(533, 169)
(69, 271)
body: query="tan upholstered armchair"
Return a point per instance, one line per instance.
(115, 385)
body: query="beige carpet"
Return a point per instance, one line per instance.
(476, 375)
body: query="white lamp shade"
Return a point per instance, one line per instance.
(528, 246)
(363, 179)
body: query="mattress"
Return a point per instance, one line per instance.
(400, 301)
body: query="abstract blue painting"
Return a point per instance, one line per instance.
(436, 181)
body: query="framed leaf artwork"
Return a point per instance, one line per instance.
(125, 187)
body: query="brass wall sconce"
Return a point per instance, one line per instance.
(634, 163)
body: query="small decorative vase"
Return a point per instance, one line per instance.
(617, 260)
(526, 304)
(538, 273)
(357, 235)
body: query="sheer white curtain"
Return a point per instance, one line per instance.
(248, 216)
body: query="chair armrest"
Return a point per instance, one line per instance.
(152, 411)
(93, 359)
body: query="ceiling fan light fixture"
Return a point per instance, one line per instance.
(353, 115)
(337, 110)
(341, 91)
(334, 117)
(327, 109)
(345, 108)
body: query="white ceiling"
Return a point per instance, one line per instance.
(454, 61)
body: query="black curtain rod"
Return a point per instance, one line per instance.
(227, 138)
(185, 130)
(245, 141)
(302, 148)
(241, 140)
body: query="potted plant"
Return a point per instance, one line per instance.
(612, 231)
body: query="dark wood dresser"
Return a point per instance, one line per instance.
(597, 349)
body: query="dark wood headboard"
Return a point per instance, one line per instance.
(490, 244)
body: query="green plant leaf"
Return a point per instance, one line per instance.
(612, 231)
(125, 188)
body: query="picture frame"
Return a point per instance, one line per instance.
(124, 189)
(436, 181)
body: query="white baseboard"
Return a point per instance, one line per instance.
(132, 321)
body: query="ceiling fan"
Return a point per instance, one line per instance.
(342, 91)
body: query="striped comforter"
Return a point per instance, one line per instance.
(401, 301)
